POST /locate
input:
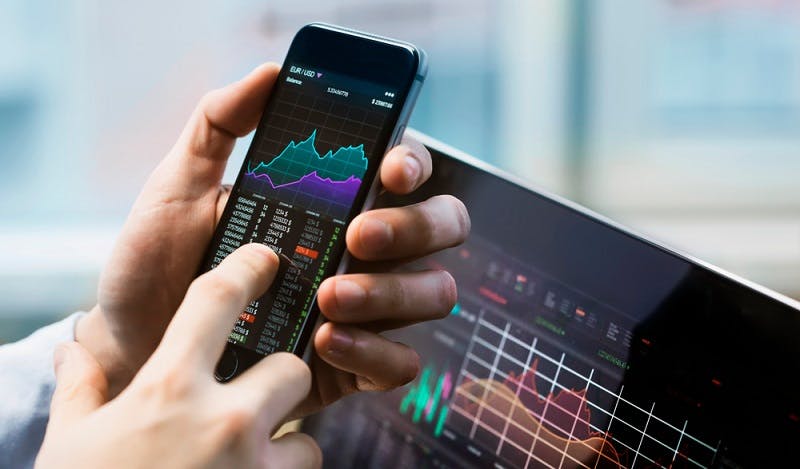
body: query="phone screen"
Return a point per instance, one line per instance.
(307, 173)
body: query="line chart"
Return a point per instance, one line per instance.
(299, 159)
(325, 184)
(531, 418)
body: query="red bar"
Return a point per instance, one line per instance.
(247, 317)
(492, 295)
(304, 251)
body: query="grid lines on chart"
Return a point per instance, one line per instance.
(339, 124)
(336, 125)
(491, 338)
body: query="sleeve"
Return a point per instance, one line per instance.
(26, 387)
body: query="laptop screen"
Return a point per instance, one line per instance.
(576, 344)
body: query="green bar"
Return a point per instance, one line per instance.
(440, 423)
(407, 399)
(436, 396)
(423, 394)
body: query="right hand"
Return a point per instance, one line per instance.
(174, 414)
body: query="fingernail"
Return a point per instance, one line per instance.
(375, 233)
(412, 169)
(349, 295)
(341, 341)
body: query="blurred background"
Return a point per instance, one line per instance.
(678, 118)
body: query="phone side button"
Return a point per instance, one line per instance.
(227, 366)
(399, 137)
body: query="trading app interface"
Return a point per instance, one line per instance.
(303, 172)
(530, 371)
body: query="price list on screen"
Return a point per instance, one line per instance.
(303, 174)
(304, 242)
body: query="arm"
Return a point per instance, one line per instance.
(26, 386)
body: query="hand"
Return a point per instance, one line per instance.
(174, 413)
(350, 354)
(171, 224)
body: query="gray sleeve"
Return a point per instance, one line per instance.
(26, 386)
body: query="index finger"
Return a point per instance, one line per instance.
(214, 301)
(406, 167)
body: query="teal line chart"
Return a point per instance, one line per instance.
(326, 184)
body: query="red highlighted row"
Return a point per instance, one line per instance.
(247, 317)
(304, 251)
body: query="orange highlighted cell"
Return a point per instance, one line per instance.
(304, 251)
(247, 317)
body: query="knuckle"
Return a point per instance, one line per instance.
(397, 294)
(401, 370)
(344, 388)
(364, 384)
(66, 392)
(93, 382)
(207, 99)
(292, 370)
(169, 384)
(238, 419)
(409, 370)
(206, 103)
(174, 386)
(427, 222)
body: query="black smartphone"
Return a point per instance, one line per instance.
(341, 100)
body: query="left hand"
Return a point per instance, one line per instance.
(171, 224)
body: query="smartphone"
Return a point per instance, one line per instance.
(341, 100)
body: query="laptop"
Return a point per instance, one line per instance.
(577, 343)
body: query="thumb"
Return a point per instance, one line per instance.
(197, 161)
(81, 386)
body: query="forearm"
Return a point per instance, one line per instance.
(26, 386)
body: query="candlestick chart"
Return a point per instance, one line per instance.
(428, 398)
